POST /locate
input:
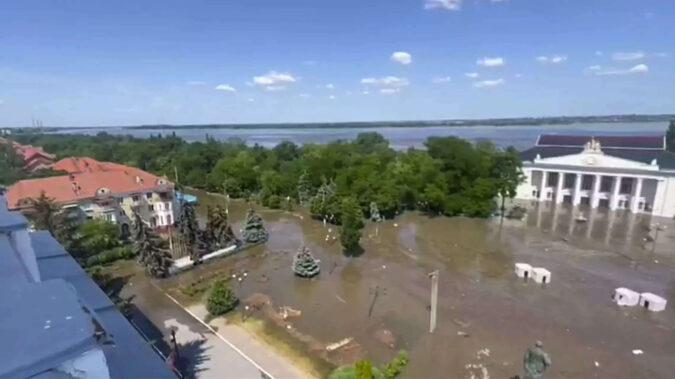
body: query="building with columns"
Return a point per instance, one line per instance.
(633, 173)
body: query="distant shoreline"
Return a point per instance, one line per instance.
(495, 122)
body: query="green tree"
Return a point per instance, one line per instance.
(363, 369)
(11, 164)
(148, 250)
(254, 230)
(221, 299)
(508, 173)
(304, 264)
(304, 189)
(352, 222)
(189, 231)
(394, 368)
(96, 236)
(44, 209)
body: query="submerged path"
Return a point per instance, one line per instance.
(221, 352)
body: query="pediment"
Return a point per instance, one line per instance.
(597, 160)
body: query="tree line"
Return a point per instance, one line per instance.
(451, 176)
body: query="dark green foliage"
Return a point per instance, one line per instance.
(304, 264)
(670, 137)
(218, 229)
(451, 177)
(11, 164)
(254, 230)
(394, 368)
(363, 370)
(117, 253)
(188, 227)
(352, 222)
(43, 212)
(95, 236)
(221, 299)
(148, 250)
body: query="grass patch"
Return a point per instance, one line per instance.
(196, 289)
(278, 339)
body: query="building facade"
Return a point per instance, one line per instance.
(102, 190)
(34, 157)
(632, 173)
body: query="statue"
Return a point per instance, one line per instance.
(536, 362)
(375, 212)
(304, 264)
(254, 230)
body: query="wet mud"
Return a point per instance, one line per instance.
(487, 317)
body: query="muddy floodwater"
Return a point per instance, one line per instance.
(486, 316)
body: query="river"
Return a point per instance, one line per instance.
(519, 136)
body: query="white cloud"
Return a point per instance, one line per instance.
(331, 97)
(225, 87)
(491, 62)
(450, 5)
(599, 53)
(275, 88)
(401, 57)
(390, 91)
(443, 79)
(305, 95)
(631, 56)
(196, 83)
(387, 81)
(274, 78)
(330, 86)
(489, 83)
(472, 75)
(555, 59)
(661, 55)
(602, 71)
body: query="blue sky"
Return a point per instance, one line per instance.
(79, 63)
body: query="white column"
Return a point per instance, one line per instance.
(558, 191)
(577, 190)
(595, 199)
(636, 196)
(614, 201)
(544, 179)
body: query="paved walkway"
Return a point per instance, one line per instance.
(229, 352)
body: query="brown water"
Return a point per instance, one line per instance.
(478, 293)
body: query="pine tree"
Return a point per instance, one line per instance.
(43, 212)
(254, 230)
(146, 247)
(304, 264)
(189, 229)
(221, 299)
(352, 222)
(218, 229)
(304, 189)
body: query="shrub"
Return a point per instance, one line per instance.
(221, 299)
(274, 202)
(122, 252)
(394, 368)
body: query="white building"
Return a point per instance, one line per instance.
(634, 173)
(541, 275)
(523, 270)
(626, 297)
(652, 302)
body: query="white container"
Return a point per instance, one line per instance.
(541, 275)
(523, 270)
(626, 297)
(652, 302)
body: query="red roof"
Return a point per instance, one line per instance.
(83, 185)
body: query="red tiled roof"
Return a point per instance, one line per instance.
(85, 164)
(78, 186)
(606, 141)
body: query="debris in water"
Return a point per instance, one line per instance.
(341, 299)
(286, 312)
(463, 334)
(336, 345)
(395, 225)
(485, 352)
(597, 364)
(638, 352)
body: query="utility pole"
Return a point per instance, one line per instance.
(434, 300)
(378, 290)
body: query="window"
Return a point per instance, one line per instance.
(109, 217)
(151, 207)
(168, 220)
(626, 186)
(587, 182)
(606, 184)
(120, 200)
(569, 181)
(159, 206)
(135, 198)
(148, 195)
(167, 206)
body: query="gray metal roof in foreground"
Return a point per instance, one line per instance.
(129, 355)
